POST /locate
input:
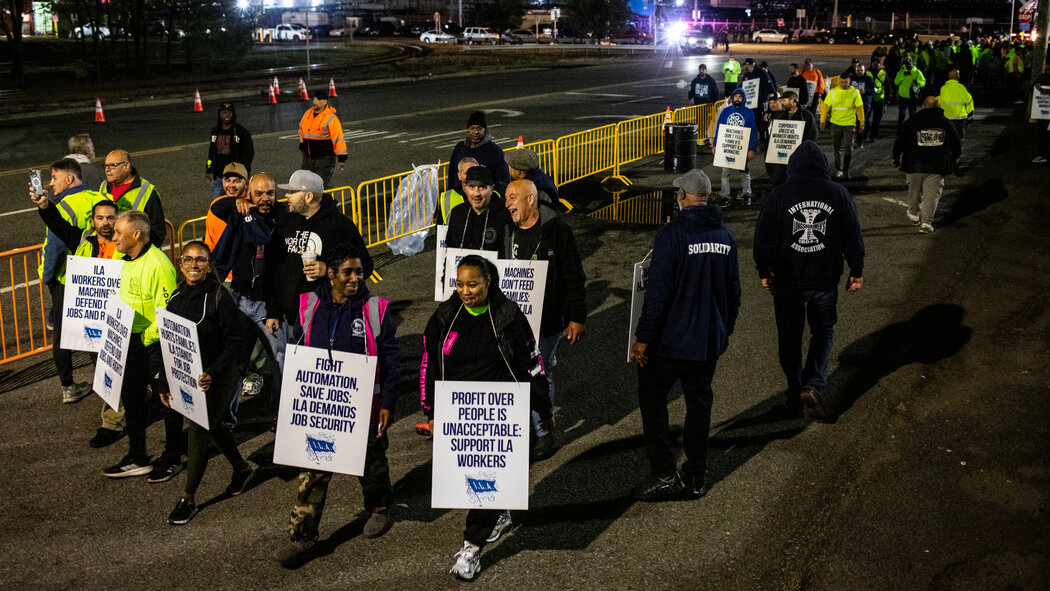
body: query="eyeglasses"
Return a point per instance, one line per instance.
(115, 164)
(198, 260)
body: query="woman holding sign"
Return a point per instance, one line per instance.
(342, 315)
(480, 335)
(200, 298)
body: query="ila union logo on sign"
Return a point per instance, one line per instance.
(187, 398)
(481, 487)
(320, 447)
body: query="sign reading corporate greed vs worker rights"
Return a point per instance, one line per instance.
(481, 445)
(326, 406)
(109, 371)
(182, 366)
(89, 284)
(731, 150)
(784, 138)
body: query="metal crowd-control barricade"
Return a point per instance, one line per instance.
(22, 307)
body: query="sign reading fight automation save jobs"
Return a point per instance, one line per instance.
(326, 407)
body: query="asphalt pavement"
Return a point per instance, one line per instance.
(932, 476)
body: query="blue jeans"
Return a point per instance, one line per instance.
(548, 349)
(794, 308)
(256, 310)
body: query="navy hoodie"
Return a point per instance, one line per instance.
(693, 294)
(807, 226)
(341, 327)
(740, 117)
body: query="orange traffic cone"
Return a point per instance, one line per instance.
(303, 96)
(331, 87)
(273, 97)
(276, 86)
(197, 106)
(667, 117)
(99, 116)
(521, 144)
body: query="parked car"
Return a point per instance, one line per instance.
(474, 35)
(88, 30)
(519, 36)
(340, 32)
(770, 36)
(890, 37)
(437, 37)
(843, 35)
(379, 29)
(633, 36)
(294, 32)
(320, 31)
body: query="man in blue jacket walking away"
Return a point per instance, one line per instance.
(807, 226)
(691, 304)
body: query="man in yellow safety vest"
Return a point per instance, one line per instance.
(956, 102)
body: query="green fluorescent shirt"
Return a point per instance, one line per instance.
(146, 283)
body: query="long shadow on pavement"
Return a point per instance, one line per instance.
(935, 333)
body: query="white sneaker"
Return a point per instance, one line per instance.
(502, 524)
(75, 392)
(468, 562)
(913, 218)
(1038, 160)
(926, 228)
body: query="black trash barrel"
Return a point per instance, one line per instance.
(684, 158)
(668, 147)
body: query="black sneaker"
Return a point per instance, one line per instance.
(695, 486)
(104, 437)
(545, 447)
(128, 467)
(293, 553)
(814, 407)
(239, 482)
(163, 471)
(660, 488)
(183, 512)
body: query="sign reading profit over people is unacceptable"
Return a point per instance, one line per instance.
(731, 151)
(326, 406)
(481, 445)
(182, 365)
(784, 138)
(89, 284)
(109, 371)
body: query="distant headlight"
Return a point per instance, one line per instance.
(709, 41)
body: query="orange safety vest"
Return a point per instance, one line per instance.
(323, 126)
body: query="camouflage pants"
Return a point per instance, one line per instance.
(313, 490)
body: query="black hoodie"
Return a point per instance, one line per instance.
(927, 143)
(482, 231)
(807, 226)
(502, 325)
(237, 142)
(219, 322)
(284, 266)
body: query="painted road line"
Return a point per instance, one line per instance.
(459, 131)
(638, 100)
(26, 210)
(620, 117)
(579, 93)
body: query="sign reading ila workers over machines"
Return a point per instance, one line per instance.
(326, 406)
(89, 284)
(182, 366)
(731, 151)
(481, 445)
(784, 138)
(109, 371)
